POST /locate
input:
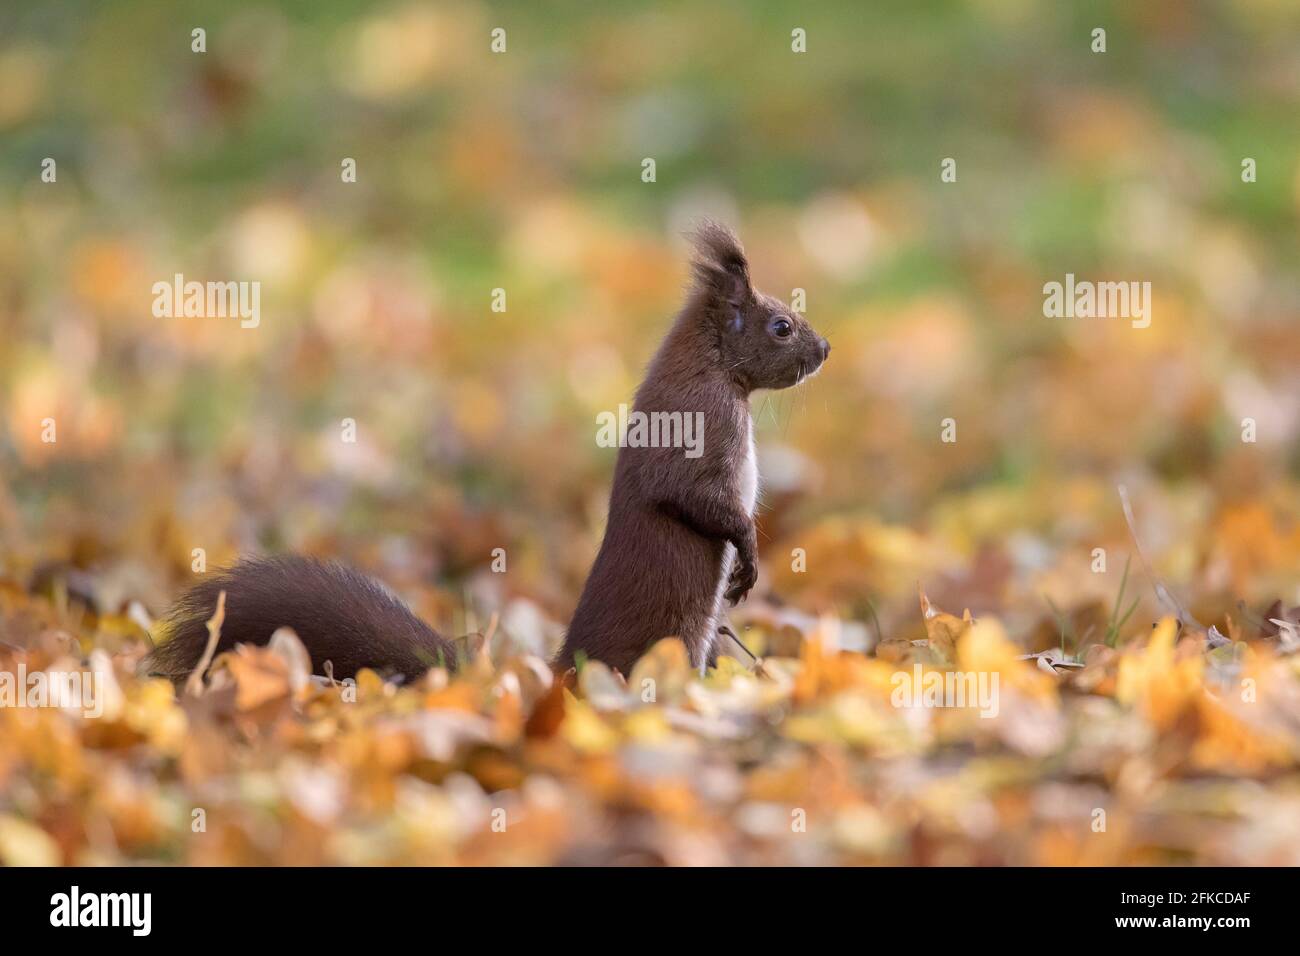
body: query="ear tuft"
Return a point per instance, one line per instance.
(720, 264)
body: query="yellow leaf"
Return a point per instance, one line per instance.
(584, 729)
(1151, 680)
(985, 648)
(25, 844)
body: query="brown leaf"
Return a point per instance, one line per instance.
(548, 713)
(943, 630)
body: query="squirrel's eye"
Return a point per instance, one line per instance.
(782, 328)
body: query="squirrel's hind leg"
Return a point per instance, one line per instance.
(729, 642)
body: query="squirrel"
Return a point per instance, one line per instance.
(680, 537)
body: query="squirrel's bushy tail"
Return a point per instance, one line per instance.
(340, 615)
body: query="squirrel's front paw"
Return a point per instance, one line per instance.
(743, 576)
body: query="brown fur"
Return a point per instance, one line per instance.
(678, 528)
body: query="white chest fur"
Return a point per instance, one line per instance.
(749, 472)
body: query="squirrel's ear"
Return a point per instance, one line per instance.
(720, 265)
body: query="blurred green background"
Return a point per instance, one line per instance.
(521, 170)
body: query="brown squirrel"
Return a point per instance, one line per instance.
(679, 540)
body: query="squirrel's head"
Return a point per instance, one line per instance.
(762, 341)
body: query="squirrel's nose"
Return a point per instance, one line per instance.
(826, 350)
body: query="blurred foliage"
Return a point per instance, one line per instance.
(521, 171)
(1146, 754)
